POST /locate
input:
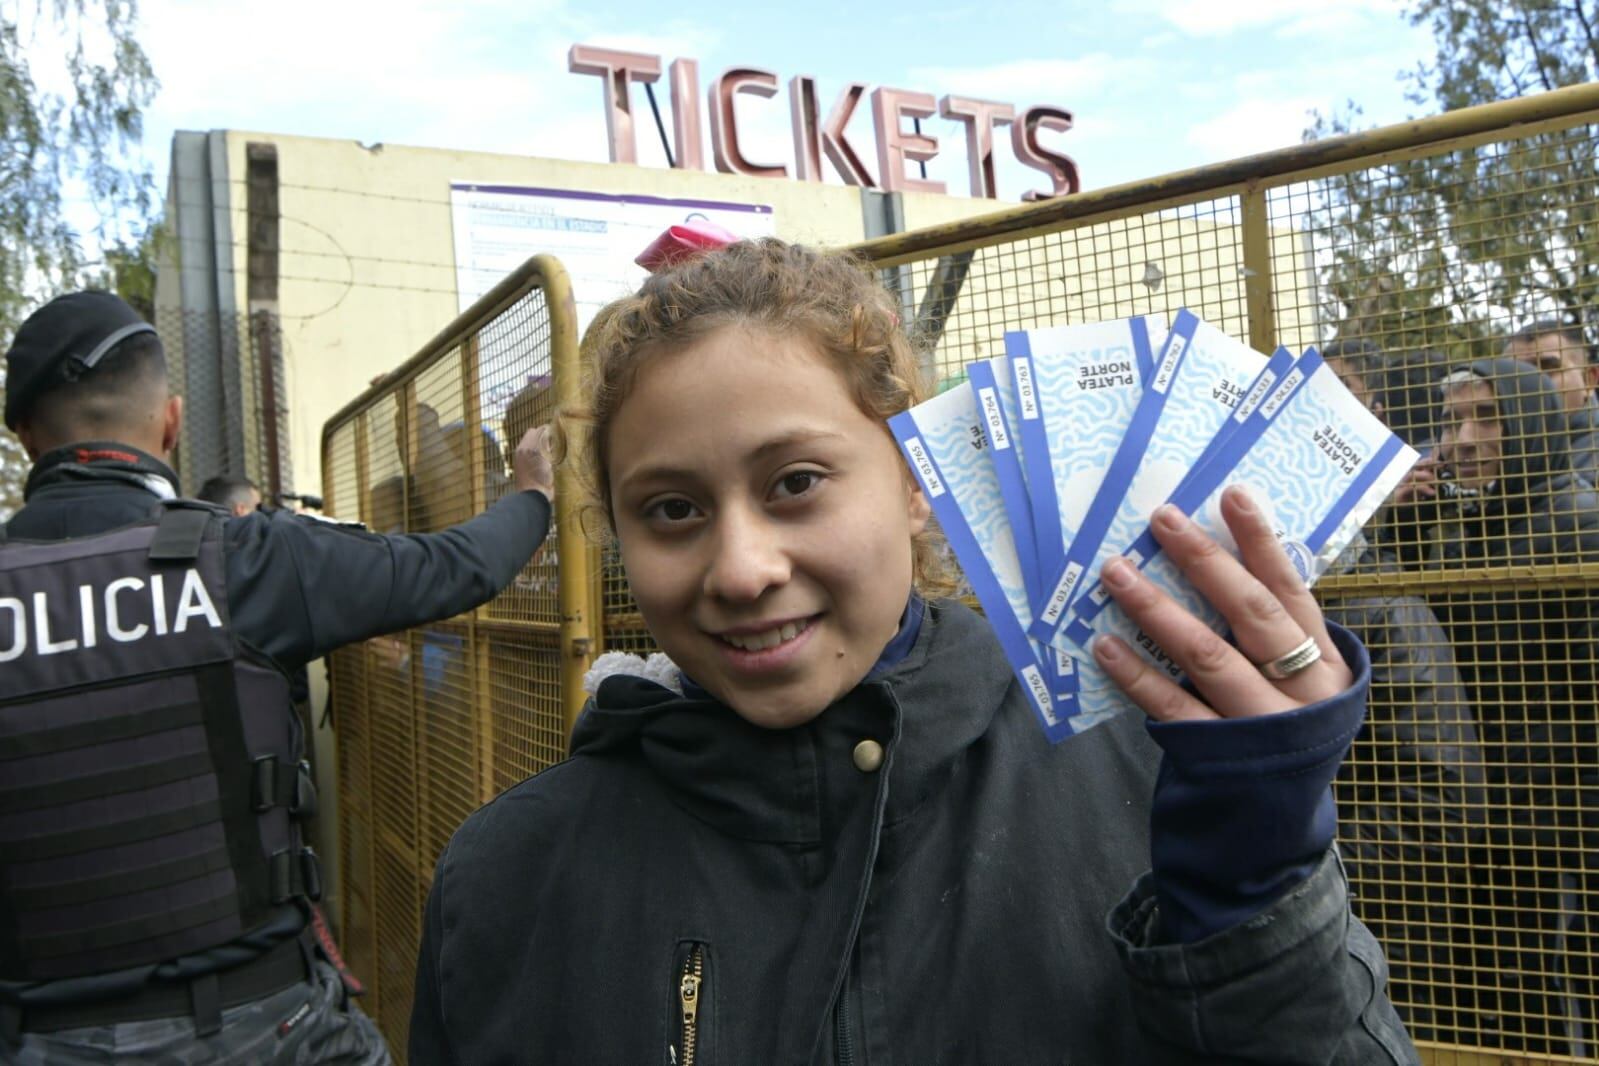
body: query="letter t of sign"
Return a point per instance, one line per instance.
(980, 117)
(617, 68)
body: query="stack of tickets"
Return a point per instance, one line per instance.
(1046, 462)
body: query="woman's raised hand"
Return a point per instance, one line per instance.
(1283, 657)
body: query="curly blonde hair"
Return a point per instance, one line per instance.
(831, 300)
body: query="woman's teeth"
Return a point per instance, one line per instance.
(769, 639)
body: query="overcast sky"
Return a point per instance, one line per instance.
(1155, 85)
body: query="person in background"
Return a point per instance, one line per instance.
(238, 494)
(1499, 492)
(833, 832)
(152, 784)
(1412, 823)
(1561, 353)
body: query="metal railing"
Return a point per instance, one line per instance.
(436, 721)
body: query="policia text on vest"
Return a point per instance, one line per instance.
(108, 610)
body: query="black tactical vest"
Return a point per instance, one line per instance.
(150, 773)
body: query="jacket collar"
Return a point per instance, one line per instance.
(99, 460)
(772, 785)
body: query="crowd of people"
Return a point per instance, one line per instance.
(1472, 797)
(829, 832)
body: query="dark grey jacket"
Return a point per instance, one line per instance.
(949, 907)
(1585, 441)
(1412, 820)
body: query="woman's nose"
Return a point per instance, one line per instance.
(749, 558)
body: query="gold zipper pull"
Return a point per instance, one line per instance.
(689, 992)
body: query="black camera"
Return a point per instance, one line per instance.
(1467, 500)
(1449, 488)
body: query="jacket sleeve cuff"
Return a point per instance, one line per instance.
(1243, 810)
(1302, 965)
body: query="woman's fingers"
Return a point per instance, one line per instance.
(1263, 599)
(1156, 694)
(1265, 559)
(1225, 679)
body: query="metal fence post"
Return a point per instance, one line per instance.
(482, 690)
(578, 565)
(1256, 226)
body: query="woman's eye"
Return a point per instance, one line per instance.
(677, 510)
(797, 484)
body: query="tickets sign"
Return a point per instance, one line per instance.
(815, 136)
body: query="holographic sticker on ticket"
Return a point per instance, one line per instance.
(1249, 420)
(1199, 379)
(944, 444)
(1077, 388)
(1321, 468)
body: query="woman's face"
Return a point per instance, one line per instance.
(764, 520)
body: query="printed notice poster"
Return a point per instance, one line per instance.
(596, 236)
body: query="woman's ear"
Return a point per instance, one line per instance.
(918, 508)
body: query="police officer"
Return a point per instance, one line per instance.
(153, 883)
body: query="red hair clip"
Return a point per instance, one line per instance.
(682, 241)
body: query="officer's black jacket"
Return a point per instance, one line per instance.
(297, 589)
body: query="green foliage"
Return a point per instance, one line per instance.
(130, 267)
(1453, 251)
(73, 87)
(1490, 50)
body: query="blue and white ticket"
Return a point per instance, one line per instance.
(1321, 467)
(1076, 389)
(1249, 419)
(1198, 380)
(944, 444)
(996, 401)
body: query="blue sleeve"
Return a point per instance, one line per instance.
(1243, 807)
(298, 588)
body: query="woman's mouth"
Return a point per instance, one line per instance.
(766, 639)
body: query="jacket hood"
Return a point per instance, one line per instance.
(765, 784)
(1585, 420)
(1536, 445)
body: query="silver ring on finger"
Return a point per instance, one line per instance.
(1301, 658)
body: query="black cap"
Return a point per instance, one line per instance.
(61, 340)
